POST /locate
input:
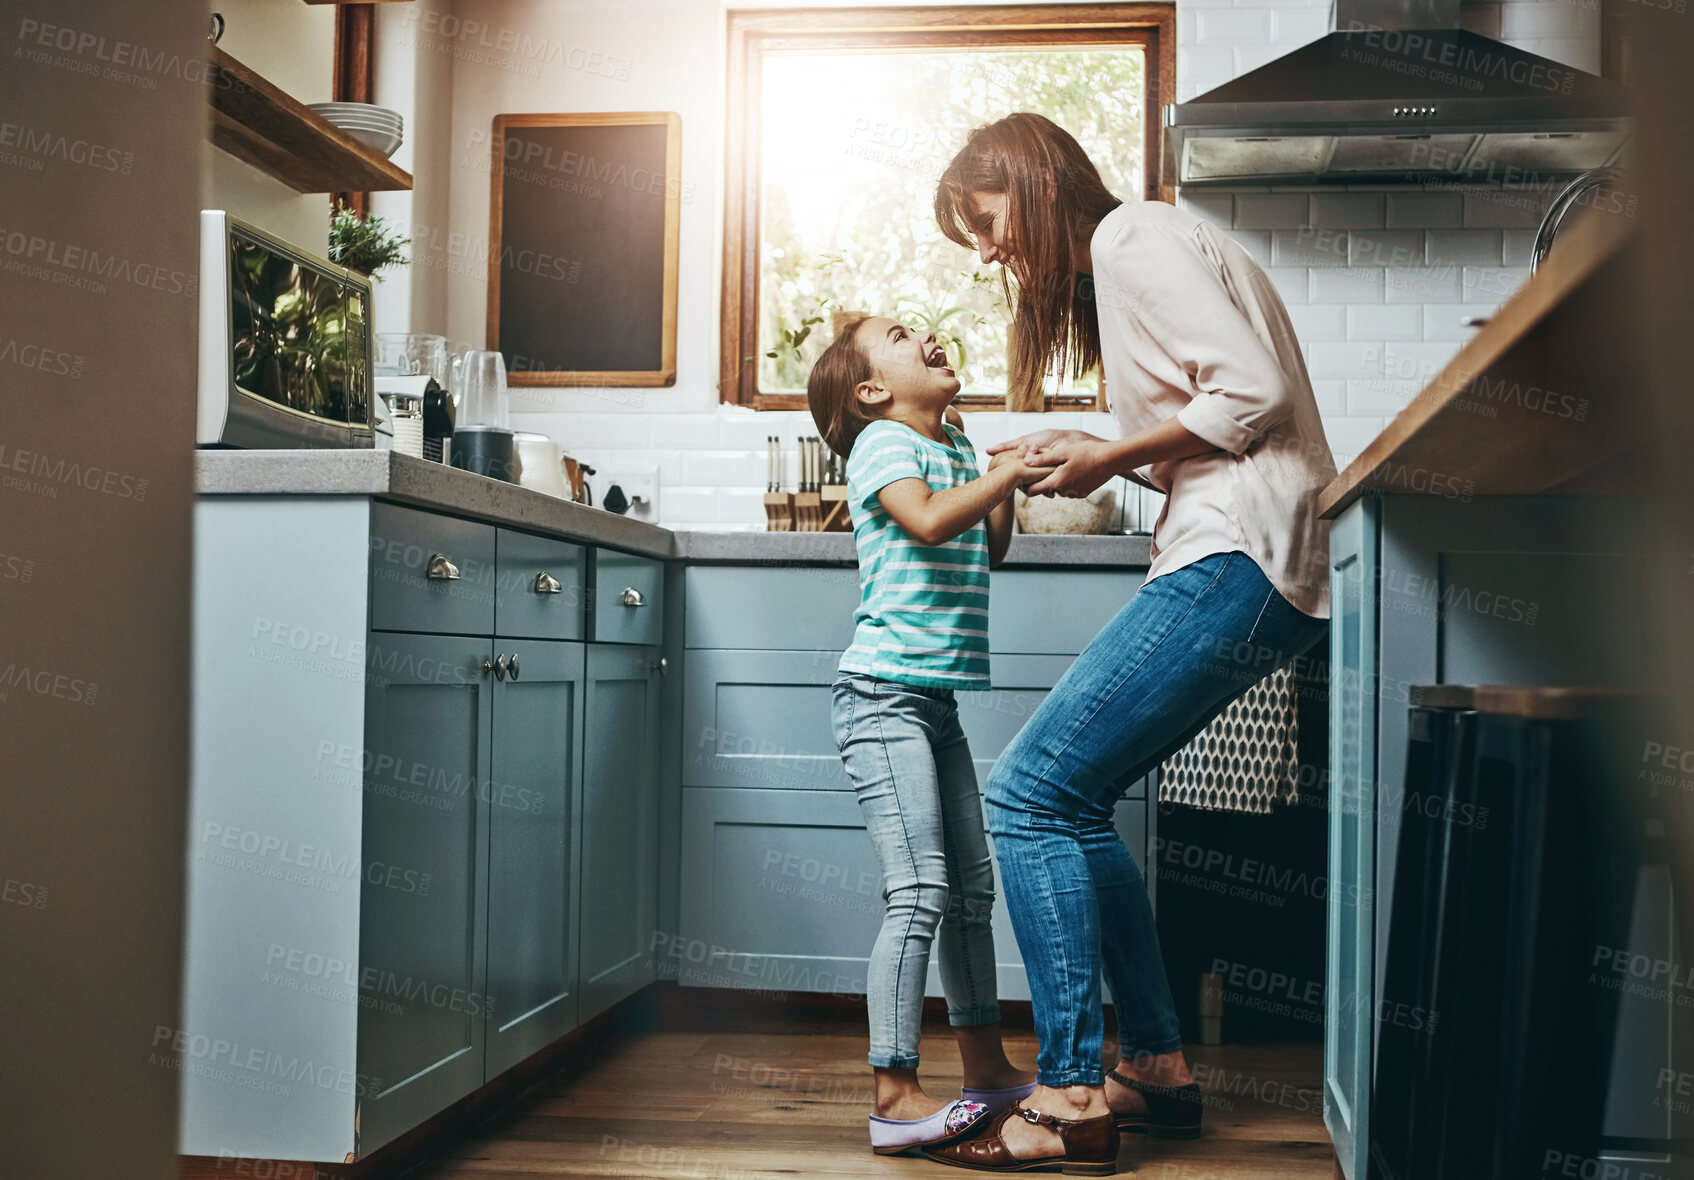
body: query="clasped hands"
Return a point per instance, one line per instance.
(1070, 463)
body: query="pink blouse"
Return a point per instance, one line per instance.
(1191, 327)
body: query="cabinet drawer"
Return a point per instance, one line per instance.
(629, 604)
(539, 594)
(785, 891)
(750, 607)
(406, 545)
(1037, 611)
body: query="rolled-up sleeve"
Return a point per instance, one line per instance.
(1237, 389)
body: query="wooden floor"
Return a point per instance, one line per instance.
(752, 1099)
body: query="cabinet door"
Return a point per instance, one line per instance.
(531, 855)
(785, 892)
(760, 719)
(620, 825)
(422, 932)
(1348, 1022)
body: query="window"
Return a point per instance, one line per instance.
(840, 122)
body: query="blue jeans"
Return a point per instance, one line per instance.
(907, 759)
(1187, 644)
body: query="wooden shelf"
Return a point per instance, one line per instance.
(1548, 396)
(256, 122)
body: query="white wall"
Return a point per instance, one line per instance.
(291, 45)
(1376, 278)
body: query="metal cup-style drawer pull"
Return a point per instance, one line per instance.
(441, 568)
(546, 583)
(632, 597)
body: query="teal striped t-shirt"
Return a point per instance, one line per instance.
(923, 609)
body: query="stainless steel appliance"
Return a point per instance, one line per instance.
(285, 344)
(1398, 91)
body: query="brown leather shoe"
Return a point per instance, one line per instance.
(1091, 1147)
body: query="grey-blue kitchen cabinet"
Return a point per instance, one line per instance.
(532, 795)
(795, 608)
(422, 912)
(782, 890)
(1353, 700)
(541, 588)
(760, 719)
(1038, 612)
(618, 900)
(629, 598)
(430, 573)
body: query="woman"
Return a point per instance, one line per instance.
(1203, 374)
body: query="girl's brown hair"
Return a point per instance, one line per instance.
(1054, 326)
(829, 389)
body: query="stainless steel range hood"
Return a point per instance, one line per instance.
(1398, 93)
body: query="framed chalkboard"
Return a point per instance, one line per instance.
(583, 218)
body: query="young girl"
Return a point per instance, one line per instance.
(880, 395)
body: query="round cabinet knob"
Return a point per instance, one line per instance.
(441, 568)
(661, 666)
(487, 665)
(546, 583)
(500, 667)
(512, 665)
(632, 597)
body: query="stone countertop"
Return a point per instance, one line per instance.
(1027, 549)
(423, 484)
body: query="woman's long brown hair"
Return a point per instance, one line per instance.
(1054, 325)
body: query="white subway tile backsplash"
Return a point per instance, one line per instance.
(1316, 321)
(1379, 395)
(1232, 25)
(1296, 26)
(1523, 21)
(1217, 208)
(1418, 362)
(1385, 247)
(1418, 210)
(1271, 210)
(746, 430)
(684, 430)
(1496, 283)
(1349, 435)
(1463, 246)
(1363, 284)
(723, 468)
(1331, 395)
(741, 508)
(1256, 242)
(1424, 284)
(1309, 247)
(1291, 282)
(682, 504)
(1516, 246)
(602, 431)
(1347, 210)
(1384, 321)
(1325, 359)
(1443, 321)
(1504, 208)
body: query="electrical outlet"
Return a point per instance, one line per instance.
(640, 487)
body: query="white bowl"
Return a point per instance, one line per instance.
(368, 109)
(366, 124)
(385, 143)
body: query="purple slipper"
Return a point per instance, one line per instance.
(998, 1100)
(898, 1136)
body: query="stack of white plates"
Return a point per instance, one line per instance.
(376, 127)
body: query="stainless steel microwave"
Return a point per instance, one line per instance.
(285, 343)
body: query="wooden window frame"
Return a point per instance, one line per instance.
(755, 32)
